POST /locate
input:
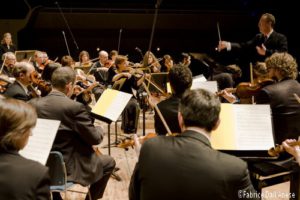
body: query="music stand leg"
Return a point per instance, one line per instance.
(144, 121)
(108, 135)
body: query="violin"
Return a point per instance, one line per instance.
(42, 85)
(4, 82)
(109, 63)
(129, 142)
(275, 151)
(247, 90)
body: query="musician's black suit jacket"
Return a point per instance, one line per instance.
(186, 167)
(16, 91)
(276, 42)
(169, 110)
(75, 136)
(21, 178)
(284, 106)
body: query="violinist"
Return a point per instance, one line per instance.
(150, 61)
(280, 95)
(38, 61)
(9, 60)
(100, 68)
(180, 80)
(20, 88)
(186, 166)
(131, 81)
(167, 63)
(84, 62)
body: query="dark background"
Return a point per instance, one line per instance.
(182, 26)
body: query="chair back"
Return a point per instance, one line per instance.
(57, 168)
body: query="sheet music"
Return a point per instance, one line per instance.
(41, 140)
(111, 104)
(211, 86)
(253, 127)
(244, 127)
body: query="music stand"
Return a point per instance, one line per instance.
(24, 55)
(109, 107)
(160, 80)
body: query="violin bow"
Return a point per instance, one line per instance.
(158, 2)
(66, 22)
(3, 64)
(119, 41)
(297, 97)
(158, 112)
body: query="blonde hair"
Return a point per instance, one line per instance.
(16, 120)
(285, 63)
(3, 39)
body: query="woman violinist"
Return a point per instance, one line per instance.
(151, 62)
(131, 80)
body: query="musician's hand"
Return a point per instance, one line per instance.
(228, 96)
(293, 150)
(126, 74)
(261, 50)
(97, 150)
(223, 45)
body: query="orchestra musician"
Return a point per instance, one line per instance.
(20, 178)
(20, 88)
(131, 81)
(101, 67)
(38, 61)
(150, 61)
(76, 135)
(180, 80)
(280, 95)
(7, 44)
(186, 166)
(167, 63)
(8, 63)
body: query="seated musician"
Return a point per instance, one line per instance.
(167, 63)
(150, 61)
(76, 136)
(9, 60)
(101, 67)
(180, 80)
(20, 88)
(131, 81)
(186, 166)
(38, 61)
(20, 178)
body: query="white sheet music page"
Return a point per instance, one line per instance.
(211, 86)
(41, 140)
(253, 127)
(111, 104)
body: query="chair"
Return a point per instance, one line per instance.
(58, 174)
